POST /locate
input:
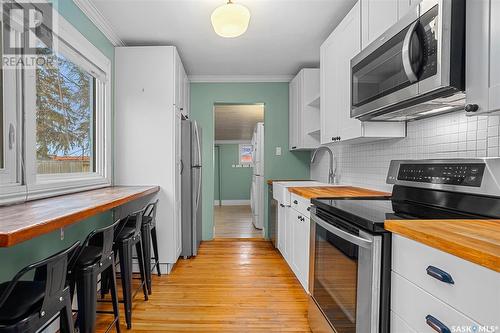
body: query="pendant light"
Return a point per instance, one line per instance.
(230, 20)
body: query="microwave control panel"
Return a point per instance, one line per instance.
(449, 174)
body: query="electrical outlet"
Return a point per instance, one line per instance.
(62, 234)
(278, 151)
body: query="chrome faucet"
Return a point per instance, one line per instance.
(331, 169)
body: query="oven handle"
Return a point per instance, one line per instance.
(365, 243)
(412, 76)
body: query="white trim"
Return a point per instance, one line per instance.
(232, 202)
(239, 78)
(99, 20)
(232, 142)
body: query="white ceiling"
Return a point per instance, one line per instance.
(283, 35)
(236, 122)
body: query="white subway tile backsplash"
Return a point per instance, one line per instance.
(449, 136)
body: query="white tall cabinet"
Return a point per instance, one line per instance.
(335, 85)
(150, 95)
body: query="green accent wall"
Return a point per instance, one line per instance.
(235, 182)
(14, 258)
(274, 95)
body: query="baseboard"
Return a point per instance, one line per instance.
(232, 202)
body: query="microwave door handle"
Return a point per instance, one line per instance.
(412, 76)
(365, 243)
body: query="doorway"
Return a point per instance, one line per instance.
(239, 198)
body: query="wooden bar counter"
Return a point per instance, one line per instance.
(21, 222)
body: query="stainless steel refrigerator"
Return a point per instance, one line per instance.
(191, 168)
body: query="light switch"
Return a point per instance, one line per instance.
(278, 151)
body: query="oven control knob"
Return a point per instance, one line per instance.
(471, 108)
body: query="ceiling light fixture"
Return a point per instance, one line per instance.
(230, 20)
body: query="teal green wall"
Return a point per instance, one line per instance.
(235, 182)
(275, 98)
(14, 258)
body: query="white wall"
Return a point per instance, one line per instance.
(448, 136)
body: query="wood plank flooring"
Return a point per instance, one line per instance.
(233, 285)
(234, 222)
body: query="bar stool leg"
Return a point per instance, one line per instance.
(87, 300)
(155, 249)
(139, 250)
(125, 253)
(66, 317)
(146, 246)
(114, 296)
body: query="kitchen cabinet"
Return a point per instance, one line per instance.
(482, 79)
(335, 87)
(441, 285)
(182, 87)
(148, 96)
(304, 110)
(281, 232)
(379, 15)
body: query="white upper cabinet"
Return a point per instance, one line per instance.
(304, 110)
(379, 15)
(482, 78)
(335, 85)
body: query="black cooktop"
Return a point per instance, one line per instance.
(370, 213)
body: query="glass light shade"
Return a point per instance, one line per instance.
(230, 20)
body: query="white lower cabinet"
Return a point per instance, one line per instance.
(293, 242)
(443, 289)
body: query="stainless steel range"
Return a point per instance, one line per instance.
(351, 251)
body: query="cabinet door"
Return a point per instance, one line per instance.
(178, 184)
(293, 113)
(301, 250)
(328, 86)
(377, 17)
(494, 89)
(187, 95)
(350, 39)
(281, 228)
(291, 216)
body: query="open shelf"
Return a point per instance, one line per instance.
(315, 102)
(315, 132)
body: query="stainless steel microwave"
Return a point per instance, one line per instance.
(415, 69)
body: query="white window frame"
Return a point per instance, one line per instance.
(37, 186)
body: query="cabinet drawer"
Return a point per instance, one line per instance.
(413, 305)
(475, 290)
(300, 204)
(398, 325)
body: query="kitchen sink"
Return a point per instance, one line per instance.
(280, 189)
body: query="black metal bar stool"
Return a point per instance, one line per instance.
(126, 238)
(30, 305)
(148, 238)
(95, 257)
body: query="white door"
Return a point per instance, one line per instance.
(281, 228)
(377, 17)
(301, 250)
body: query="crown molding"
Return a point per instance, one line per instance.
(239, 78)
(99, 20)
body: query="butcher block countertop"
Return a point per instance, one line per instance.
(336, 192)
(28, 220)
(477, 241)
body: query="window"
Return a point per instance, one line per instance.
(65, 118)
(63, 105)
(246, 156)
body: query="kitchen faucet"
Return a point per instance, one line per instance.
(331, 170)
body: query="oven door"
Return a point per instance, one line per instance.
(405, 62)
(344, 276)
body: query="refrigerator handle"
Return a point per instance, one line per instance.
(197, 133)
(199, 190)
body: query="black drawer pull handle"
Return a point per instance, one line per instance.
(436, 325)
(281, 205)
(440, 275)
(295, 202)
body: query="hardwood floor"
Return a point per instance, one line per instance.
(231, 286)
(234, 222)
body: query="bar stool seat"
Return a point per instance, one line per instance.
(89, 255)
(30, 292)
(126, 232)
